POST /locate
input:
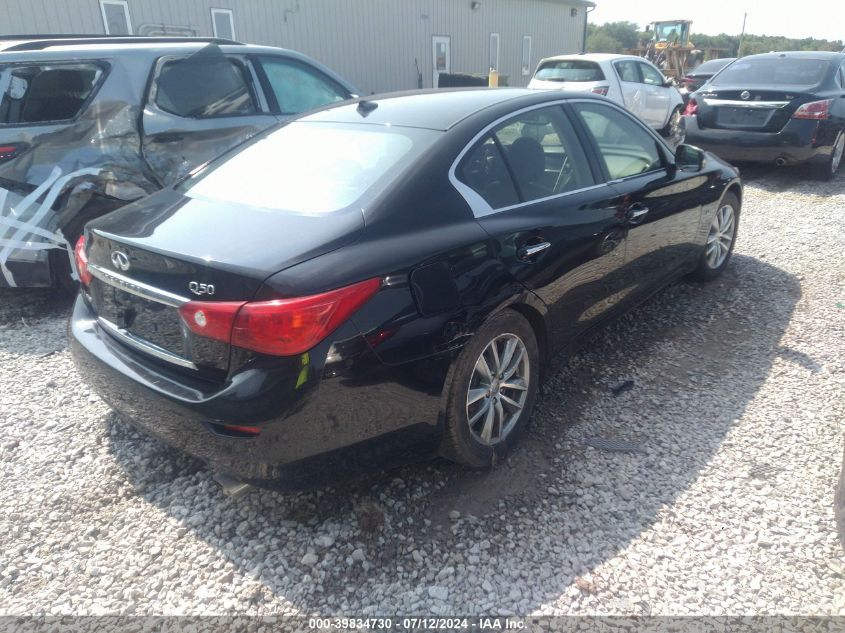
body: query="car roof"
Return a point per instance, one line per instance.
(798, 55)
(593, 57)
(433, 109)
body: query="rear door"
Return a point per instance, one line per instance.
(633, 93)
(657, 96)
(662, 206)
(197, 108)
(556, 230)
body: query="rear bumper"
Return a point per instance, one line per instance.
(798, 142)
(320, 421)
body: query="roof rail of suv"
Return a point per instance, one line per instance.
(40, 42)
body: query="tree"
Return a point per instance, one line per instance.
(601, 42)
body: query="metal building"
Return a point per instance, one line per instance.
(379, 45)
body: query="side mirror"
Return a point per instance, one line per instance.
(689, 158)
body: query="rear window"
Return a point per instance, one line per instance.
(713, 66)
(310, 168)
(569, 70)
(45, 93)
(773, 71)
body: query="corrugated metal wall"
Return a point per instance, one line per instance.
(373, 43)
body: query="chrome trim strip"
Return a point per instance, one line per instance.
(137, 288)
(141, 345)
(746, 104)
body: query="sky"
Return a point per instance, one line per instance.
(822, 19)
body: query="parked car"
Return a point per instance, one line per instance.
(631, 81)
(698, 76)
(376, 281)
(89, 124)
(779, 108)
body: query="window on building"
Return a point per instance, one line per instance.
(297, 87)
(46, 93)
(526, 55)
(494, 51)
(116, 17)
(200, 87)
(223, 21)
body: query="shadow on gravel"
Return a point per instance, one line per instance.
(31, 313)
(554, 511)
(798, 178)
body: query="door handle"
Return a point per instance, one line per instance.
(529, 251)
(636, 212)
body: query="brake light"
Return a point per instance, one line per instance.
(81, 258)
(816, 110)
(10, 151)
(600, 90)
(211, 319)
(692, 108)
(284, 327)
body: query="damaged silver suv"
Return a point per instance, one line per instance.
(88, 124)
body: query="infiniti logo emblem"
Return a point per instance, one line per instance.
(745, 95)
(120, 260)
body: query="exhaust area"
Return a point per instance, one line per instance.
(780, 161)
(231, 487)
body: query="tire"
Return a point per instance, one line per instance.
(500, 424)
(674, 129)
(831, 166)
(710, 267)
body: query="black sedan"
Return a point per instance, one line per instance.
(701, 74)
(779, 108)
(383, 280)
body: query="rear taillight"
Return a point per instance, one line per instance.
(8, 152)
(211, 319)
(600, 90)
(284, 327)
(816, 110)
(692, 108)
(81, 258)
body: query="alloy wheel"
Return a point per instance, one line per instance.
(838, 150)
(498, 389)
(676, 130)
(721, 236)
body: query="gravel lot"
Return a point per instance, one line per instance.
(719, 503)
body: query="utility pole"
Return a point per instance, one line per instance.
(742, 35)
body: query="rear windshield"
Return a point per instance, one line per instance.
(310, 168)
(773, 71)
(569, 70)
(45, 93)
(714, 65)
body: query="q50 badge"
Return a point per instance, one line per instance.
(201, 289)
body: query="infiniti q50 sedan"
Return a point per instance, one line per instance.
(387, 279)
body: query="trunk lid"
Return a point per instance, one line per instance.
(754, 110)
(150, 257)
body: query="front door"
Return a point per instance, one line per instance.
(662, 206)
(556, 231)
(199, 107)
(441, 50)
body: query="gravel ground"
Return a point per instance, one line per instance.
(717, 497)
